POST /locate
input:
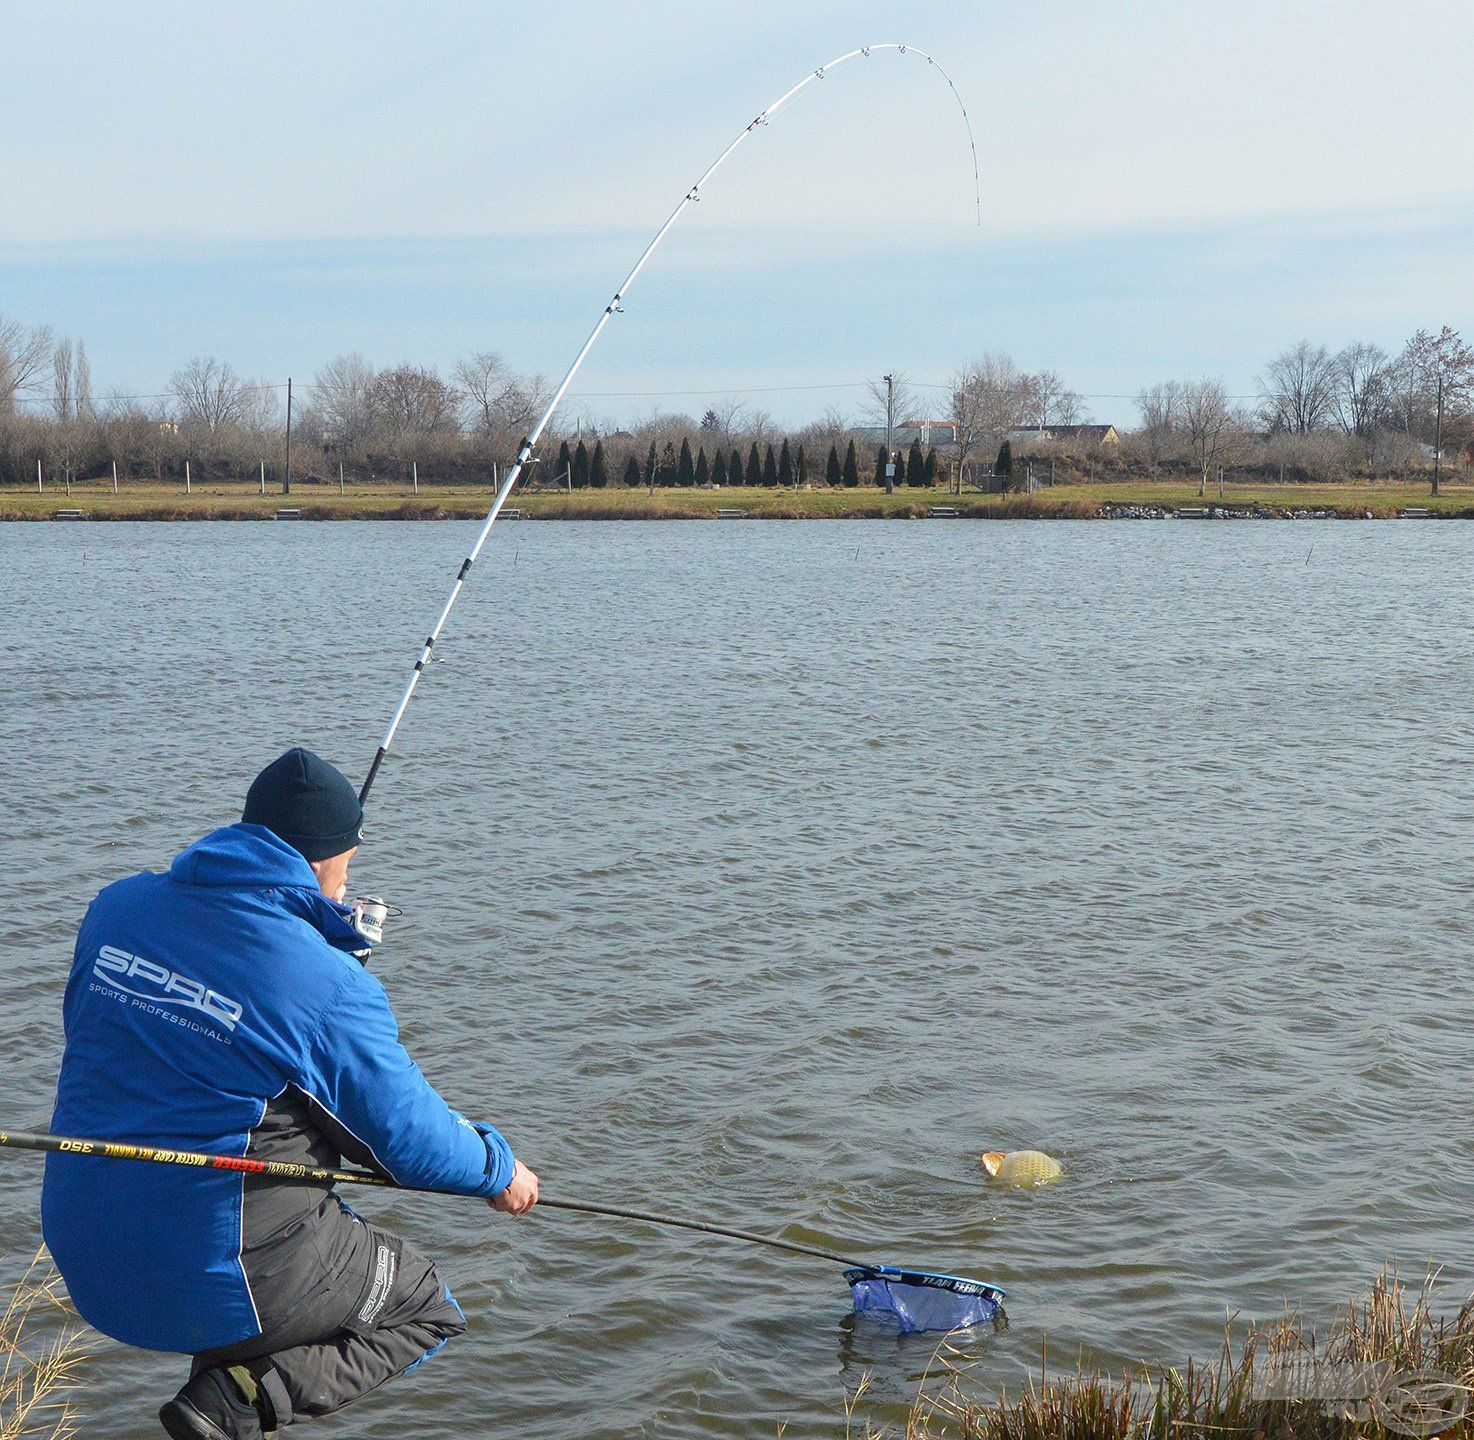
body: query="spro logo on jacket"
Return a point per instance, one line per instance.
(155, 984)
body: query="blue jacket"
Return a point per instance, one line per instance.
(198, 1000)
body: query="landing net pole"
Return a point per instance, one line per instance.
(614, 307)
(291, 1171)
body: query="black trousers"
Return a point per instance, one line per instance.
(375, 1308)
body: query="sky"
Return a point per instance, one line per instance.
(1168, 190)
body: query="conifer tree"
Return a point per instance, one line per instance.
(754, 466)
(800, 467)
(931, 465)
(703, 470)
(734, 468)
(900, 478)
(880, 466)
(565, 464)
(685, 467)
(851, 467)
(785, 465)
(770, 468)
(670, 467)
(581, 466)
(651, 466)
(831, 468)
(915, 465)
(632, 478)
(1003, 466)
(598, 468)
(719, 468)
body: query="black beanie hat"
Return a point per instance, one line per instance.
(303, 800)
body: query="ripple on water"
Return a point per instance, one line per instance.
(755, 882)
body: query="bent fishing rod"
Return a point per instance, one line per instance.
(298, 1174)
(613, 308)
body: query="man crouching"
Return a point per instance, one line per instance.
(220, 1007)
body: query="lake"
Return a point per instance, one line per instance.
(771, 872)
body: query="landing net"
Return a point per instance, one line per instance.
(920, 1300)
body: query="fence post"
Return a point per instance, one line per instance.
(186, 477)
(38, 474)
(416, 465)
(286, 484)
(115, 477)
(263, 477)
(341, 491)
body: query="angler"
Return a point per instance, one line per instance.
(223, 1007)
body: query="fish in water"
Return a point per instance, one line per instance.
(1021, 1167)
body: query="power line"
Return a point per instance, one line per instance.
(719, 390)
(709, 391)
(160, 395)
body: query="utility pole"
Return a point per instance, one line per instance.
(1438, 436)
(890, 425)
(286, 484)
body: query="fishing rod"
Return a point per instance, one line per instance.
(613, 308)
(974, 1295)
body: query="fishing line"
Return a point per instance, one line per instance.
(616, 307)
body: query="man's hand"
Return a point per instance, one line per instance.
(520, 1196)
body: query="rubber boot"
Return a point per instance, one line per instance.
(214, 1406)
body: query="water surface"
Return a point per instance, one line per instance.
(771, 872)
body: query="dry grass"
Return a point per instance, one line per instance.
(41, 1351)
(139, 500)
(1243, 1393)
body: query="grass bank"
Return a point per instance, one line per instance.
(1386, 1369)
(1066, 502)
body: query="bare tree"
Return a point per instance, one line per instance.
(833, 427)
(499, 401)
(904, 406)
(1363, 393)
(1050, 401)
(63, 382)
(1211, 425)
(1438, 374)
(413, 402)
(728, 419)
(1161, 417)
(83, 404)
(261, 407)
(210, 395)
(1298, 389)
(24, 353)
(989, 397)
(343, 400)
(965, 410)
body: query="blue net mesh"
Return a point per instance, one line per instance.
(918, 1300)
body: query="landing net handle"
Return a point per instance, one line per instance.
(315, 1175)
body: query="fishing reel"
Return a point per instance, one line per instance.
(368, 915)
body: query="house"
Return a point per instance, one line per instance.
(925, 433)
(1076, 437)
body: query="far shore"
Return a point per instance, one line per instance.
(1133, 500)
